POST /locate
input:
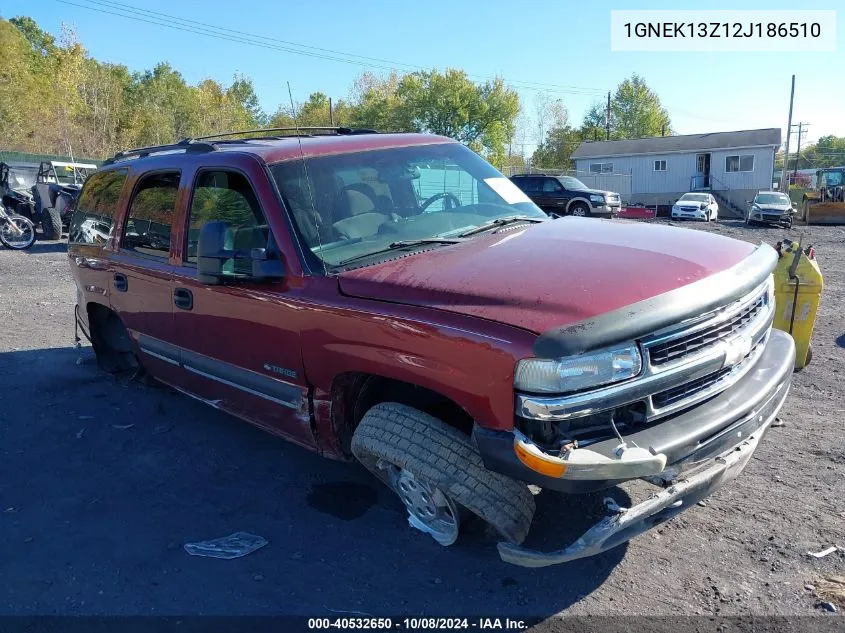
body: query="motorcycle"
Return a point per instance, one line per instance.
(16, 231)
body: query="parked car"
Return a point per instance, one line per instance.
(770, 207)
(327, 289)
(565, 195)
(696, 206)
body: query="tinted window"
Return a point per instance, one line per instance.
(151, 214)
(97, 208)
(224, 196)
(550, 185)
(527, 184)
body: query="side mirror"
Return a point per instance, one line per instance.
(215, 253)
(216, 257)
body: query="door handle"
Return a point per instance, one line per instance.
(121, 284)
(183, 298)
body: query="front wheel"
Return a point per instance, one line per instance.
(51, 223)
(580, 209)
(17, 232)
(438, 474)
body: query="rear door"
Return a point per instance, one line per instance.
(141, 275)
(240, 341)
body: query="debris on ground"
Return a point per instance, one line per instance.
(827, 606)
(227, 547)
(824, 552)
(831, 590)
(778, 422)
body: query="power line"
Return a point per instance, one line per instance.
(201, 28)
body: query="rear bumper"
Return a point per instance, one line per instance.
(703, 448)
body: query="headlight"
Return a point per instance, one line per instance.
(594, 198)
(575, 373)
(702, 206)
(754, 207)
(674, 207)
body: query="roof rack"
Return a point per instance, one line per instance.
(199, 144)
(304, 131)
(188, 145)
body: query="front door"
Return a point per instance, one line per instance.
(703, 169)
(240, 342)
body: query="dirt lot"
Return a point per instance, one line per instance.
(101, 483)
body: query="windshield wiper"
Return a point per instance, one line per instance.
(498, 222)
(401, 244)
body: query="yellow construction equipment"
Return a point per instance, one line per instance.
(798, 290)
(825, 204)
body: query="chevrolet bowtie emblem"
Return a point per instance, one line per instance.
(736, 349)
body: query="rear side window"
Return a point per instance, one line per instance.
(227, 196)
(527, 184)
(151, 215)
(97, 208)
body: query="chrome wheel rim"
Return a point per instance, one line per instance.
(579, 211)
(430, 510)
(17, 233)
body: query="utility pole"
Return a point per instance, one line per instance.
(607, 123)
(331, 113)
(783, 182)
(801, 132)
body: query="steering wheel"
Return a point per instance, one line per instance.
(454, 203)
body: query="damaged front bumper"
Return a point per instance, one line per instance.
(692, 455)
(626, 523)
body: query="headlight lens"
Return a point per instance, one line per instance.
(575, 373)
(594, 198)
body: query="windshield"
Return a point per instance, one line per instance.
(358, 203)
(572, 183)
(832, 178)
(22, 177)
(695, 197)
(771, 198)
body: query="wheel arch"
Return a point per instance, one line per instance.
(354, 393)
(577, 200)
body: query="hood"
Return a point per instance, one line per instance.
(550, 274)
(596, 192)
(698, 204)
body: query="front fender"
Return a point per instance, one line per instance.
(470, 361)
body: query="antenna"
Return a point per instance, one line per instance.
(307, 179)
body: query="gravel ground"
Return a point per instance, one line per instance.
(101, 483)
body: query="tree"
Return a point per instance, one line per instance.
(481, 116)
(242, 92)
(636, 112)
(828, 151)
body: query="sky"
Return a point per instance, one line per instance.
(563, 45)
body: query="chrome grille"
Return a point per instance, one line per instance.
(708, 383)
(684, 344)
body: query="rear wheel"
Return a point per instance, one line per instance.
(580, 209)
(51, 223)
(438, 474)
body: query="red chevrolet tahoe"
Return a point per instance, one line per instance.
(390, 298)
